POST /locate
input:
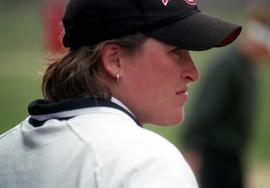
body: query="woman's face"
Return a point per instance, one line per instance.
(154, 82)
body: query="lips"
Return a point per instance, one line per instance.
(183, 94)
(182, 90)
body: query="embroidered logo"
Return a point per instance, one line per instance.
(165, 2)
(190, 2)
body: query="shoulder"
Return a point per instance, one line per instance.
(115, 127)
(10, 135)
(152, 161)
(134, 156)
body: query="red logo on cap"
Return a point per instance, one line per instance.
(165, 2)
(190, 2)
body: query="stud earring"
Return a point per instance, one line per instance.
(117, 78)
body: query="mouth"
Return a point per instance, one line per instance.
(183, 94)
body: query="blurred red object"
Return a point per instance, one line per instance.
(53, 11)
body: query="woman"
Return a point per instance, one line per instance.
(128, 64)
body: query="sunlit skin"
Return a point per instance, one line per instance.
(154, 82)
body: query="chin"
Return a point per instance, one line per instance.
(170, 118)
(173, 120)
(176, 122)
(178, 119)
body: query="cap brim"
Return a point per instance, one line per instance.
(197, 32)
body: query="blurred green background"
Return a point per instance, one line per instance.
(22, 58)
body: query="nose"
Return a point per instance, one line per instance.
(190, 72)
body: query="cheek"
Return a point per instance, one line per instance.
(154, 91)
(145, 75)
(152, 84)
(159, 74)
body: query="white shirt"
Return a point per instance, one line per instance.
(101, 147)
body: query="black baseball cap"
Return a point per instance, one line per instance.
(176, 22)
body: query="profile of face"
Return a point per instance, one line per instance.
(153, 81)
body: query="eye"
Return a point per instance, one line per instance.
(177, 51)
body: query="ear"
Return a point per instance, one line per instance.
(110, 60)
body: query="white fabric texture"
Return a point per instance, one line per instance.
(103, 148)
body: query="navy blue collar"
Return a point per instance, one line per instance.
(45, 110)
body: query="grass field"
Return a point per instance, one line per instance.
(22, 57)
